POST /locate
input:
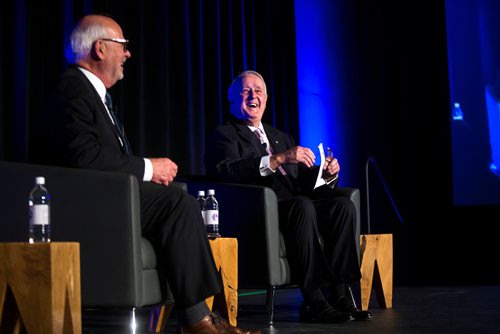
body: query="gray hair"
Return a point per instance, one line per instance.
(231, 91)
(81, 40)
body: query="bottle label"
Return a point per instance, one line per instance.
(39, 214)
(211, 217)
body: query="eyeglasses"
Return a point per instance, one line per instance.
(122, 41)
(256, 91)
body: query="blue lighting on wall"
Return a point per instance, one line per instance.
(319, 44)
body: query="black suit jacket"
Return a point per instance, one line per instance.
(79, 133)
(75, 130)
(233, 154)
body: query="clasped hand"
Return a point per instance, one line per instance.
(164, 171)
(297, 154)
(331, 167)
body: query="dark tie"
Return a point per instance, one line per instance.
(260, 134)
(119, 128)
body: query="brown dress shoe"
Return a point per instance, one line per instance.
(214, 324)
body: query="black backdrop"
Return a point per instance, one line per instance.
(184, 55)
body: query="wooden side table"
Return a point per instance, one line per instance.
(376, 269)
(225, 252)
(40, 288)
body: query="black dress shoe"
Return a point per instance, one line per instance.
(344, 304)
(323, 313)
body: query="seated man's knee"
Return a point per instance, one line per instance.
(173, 198)
(345, 206)
(303, 205)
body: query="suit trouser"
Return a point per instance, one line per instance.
(320, 240)
(172, 222)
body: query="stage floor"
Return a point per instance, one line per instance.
(416, 310)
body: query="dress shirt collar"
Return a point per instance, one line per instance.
(253, 128)
(96, 82)
(263, 134)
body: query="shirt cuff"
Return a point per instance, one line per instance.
(332, 179)
(148, 170)
(265, 167)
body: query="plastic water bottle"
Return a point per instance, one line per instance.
(457, 113)
(39, 212)
(201, 199)
(211, 207)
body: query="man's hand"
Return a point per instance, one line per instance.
(164, 170)
(331, 167)
(295, 155)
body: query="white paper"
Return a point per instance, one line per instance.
(319, 180)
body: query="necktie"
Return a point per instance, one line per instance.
(119, 128)
(260, 134)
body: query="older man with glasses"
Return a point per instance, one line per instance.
(85, 133)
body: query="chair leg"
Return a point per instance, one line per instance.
(271, 292)
(351, 295)
(158, 317)
(133, 323)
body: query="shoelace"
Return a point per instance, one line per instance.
(218, 320)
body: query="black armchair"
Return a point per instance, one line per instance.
(101, 211)
(250, 213)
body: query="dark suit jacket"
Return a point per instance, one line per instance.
(75, 130)
(233, 154)
(79, 133)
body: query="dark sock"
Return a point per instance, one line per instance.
(337, 291)
(312, 297)
(193, 314)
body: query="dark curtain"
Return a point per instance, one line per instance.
(184, 56)
(394, 72)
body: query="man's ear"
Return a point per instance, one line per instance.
(97, 51)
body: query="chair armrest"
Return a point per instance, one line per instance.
(249, 213)
(181, 185)
(355, 196)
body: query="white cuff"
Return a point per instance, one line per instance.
(265, 167)
(148, 170)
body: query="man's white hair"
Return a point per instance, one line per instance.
(231, 91)
(81, 40)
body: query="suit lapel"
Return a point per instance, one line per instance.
(114, 127)
(106, 115)
(250, 138)
(278, 144)
(97, 100)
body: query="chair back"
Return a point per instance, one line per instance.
(99, 210)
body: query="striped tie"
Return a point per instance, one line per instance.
(119, 128)
(260, 134)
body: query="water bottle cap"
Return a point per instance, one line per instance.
(40, 180)
(211, 192)
(201, 192)
(457, 105)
